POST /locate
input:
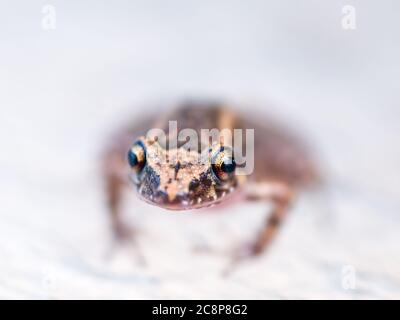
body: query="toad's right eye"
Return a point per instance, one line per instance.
(137, 156)
(223, 165)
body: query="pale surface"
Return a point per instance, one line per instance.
(63, 91)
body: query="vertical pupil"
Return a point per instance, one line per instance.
(132, 158)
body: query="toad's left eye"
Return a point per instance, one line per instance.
(223, 164)
(137, 156)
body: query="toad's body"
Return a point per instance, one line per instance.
(171, 176)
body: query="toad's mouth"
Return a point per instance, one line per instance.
(181, 201)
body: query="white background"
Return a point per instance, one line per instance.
(63, 91)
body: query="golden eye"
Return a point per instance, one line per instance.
(223, 164)
(137, 156)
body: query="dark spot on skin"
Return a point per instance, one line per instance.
(194, 184)
(219, 193)
(205, 179)
(177, 167)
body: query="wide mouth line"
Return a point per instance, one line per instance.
(185, 202)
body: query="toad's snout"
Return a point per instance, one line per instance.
(167, 192)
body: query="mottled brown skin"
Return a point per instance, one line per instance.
(282, 167)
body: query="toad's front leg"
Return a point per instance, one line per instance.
(114, 179)
(115, 173)
(281, 195)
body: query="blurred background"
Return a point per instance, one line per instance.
(71, 73)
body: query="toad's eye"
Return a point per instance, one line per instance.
(223, 164)
(137, 156)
